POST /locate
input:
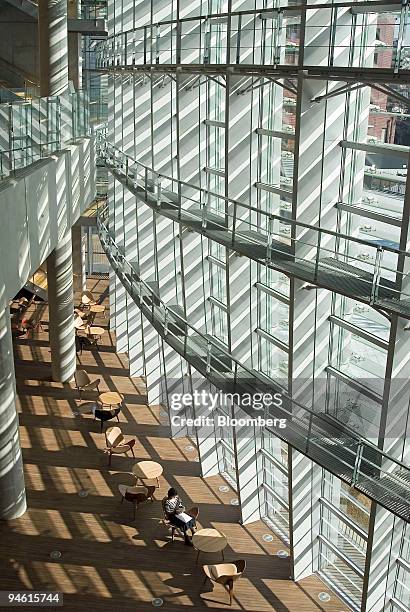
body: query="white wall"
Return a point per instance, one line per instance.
(36, 207)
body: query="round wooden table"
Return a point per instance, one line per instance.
(97, 308)
(110, 398)
(147, 470)
(95, 333)
(209, 541)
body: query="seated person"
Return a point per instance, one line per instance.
(172, 506)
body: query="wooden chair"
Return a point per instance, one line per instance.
(79, 313)
(136, 495)
(87, 299)
(106, 415)
(32, 320)
(194, 512)
(78, 323)
(84, 383)
(225, 574)
(116, 444)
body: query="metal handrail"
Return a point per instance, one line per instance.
(112, 156)
(116, 45)
(359, 465)
(258, 211)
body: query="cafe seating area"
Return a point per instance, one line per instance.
(95, 525)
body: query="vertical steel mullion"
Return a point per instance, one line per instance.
(403, 21)
(178, 36)
(332, 37)
(238, 40)
(278, 37)
(226, 206)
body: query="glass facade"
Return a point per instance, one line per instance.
(259, 153)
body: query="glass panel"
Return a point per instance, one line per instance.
(272, 360)
(363, 316)
(273, 316)
(217, 276)
(357, 357)
(274, 279)
(219, 323)
(353, 407)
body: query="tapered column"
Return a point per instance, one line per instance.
(61, 308)
(53, 44)
(78, 243)
(12, 491)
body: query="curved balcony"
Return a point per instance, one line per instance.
(321, 258)
(261, 41)
(316, 435)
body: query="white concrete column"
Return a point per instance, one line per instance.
(61, 308)
(205, 433)
(53, 44)
(248, 442)
(74, 47)
(12, 490)
(385, 533)
(305, 479)
(153, 364)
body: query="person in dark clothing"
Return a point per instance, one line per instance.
(173, 506)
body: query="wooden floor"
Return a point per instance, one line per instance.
(108, 561)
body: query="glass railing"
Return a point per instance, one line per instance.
(315, 434)
(355, 267)
(86, 9)
(30, 131)
(93, 9)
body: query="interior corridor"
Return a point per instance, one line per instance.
(109, 561)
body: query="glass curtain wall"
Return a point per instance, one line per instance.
(346, 344)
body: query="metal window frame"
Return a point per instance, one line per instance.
(358, 331)
(369, 214)
(355, 568)
(276, 294)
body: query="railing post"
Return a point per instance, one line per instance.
(376, 274)
(357, 464)
(208, 357)
(270, 232)
(204, 211)
(235, 212)
(159, 191)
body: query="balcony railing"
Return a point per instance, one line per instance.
(313, 433)
(263, 37)
(320, 257)
(30, 131)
